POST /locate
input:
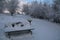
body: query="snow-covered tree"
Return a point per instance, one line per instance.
(25, 9)
(2, 5)
(39, 10)
(56, 8)
(12, 6)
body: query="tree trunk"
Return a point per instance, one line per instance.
(12, 13)
(1, 11)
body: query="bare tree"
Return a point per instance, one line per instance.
(12, 6)
(39, 10)
(56, 7)
(2, 5)
(25, 9)
(35, 9)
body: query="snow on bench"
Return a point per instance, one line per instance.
(17, 25)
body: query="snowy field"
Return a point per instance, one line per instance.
(43, 30)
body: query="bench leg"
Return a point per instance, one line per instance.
(30, 31)
(9, 35)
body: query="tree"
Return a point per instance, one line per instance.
(25, 9)
(12, 6)
(39, 10)
(35, 9)
(56, 8)
(56, 5)
(2, 5)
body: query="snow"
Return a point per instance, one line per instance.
(44, 30)
(10, 29)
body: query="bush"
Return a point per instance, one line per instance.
(57, 20)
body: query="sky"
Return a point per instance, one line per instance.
(47, 1)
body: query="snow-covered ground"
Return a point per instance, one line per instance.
(43, 30)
